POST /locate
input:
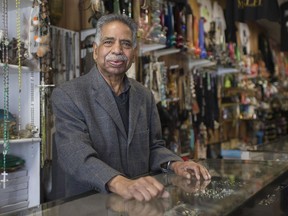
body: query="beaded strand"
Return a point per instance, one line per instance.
(18, 31)
(5, 69)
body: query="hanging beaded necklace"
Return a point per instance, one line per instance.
(5, 68)
(31, 49)
(18, 32)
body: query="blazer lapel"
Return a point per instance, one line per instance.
(105, 98)
(134, 103)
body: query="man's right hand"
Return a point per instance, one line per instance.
(144, 188)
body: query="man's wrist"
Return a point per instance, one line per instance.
(172, 165)
(166, 167)
(113, 183)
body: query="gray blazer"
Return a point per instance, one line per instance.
(92, 144)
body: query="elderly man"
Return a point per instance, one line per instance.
(108, 130)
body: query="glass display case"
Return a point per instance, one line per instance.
(271, 200)
(276, 150)
(278, 146)
(237, 187)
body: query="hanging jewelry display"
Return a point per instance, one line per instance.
(163, 85)
(194, 103)
(45, 67)
(155, 79)
(41, 48)
(32, 108)
(5, 69)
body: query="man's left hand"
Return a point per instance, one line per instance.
(189, 168)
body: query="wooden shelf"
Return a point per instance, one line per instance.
(248, 76)
(223, 71)
(238, 119)
(237, 104)
(144, 48)
(200, 63)
(235, 90)
(229, 104)
(163, 52)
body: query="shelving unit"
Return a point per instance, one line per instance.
(28, 148)
(26, 110)
(238, 118)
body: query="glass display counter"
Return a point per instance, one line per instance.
(279, 145)
(234, 185)
(273, 200)
(277, 150)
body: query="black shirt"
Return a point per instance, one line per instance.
(122, 102)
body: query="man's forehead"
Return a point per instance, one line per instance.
(112, 31)
(114, 22)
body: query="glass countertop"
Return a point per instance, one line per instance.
(233, 183)
(280, 146)
(276, 150)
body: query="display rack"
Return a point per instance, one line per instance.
(28, 148)
(24, 105)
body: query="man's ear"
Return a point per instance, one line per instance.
(95, 51)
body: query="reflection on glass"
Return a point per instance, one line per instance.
(233, 183)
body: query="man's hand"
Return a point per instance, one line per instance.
(144, 188)
(188, 168)
(188, 185)
(133, 207)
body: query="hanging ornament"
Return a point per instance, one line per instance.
(203, 53)
(169, 23)
(190, 32)
(177, 13)
(33, 29)
(195, 105)
(197, 49)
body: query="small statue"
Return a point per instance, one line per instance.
(12, 124)
(29, 131)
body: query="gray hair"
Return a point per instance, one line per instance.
(105, 19)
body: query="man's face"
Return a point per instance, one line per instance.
(115, 53)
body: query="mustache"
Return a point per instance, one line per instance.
(116, 58)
